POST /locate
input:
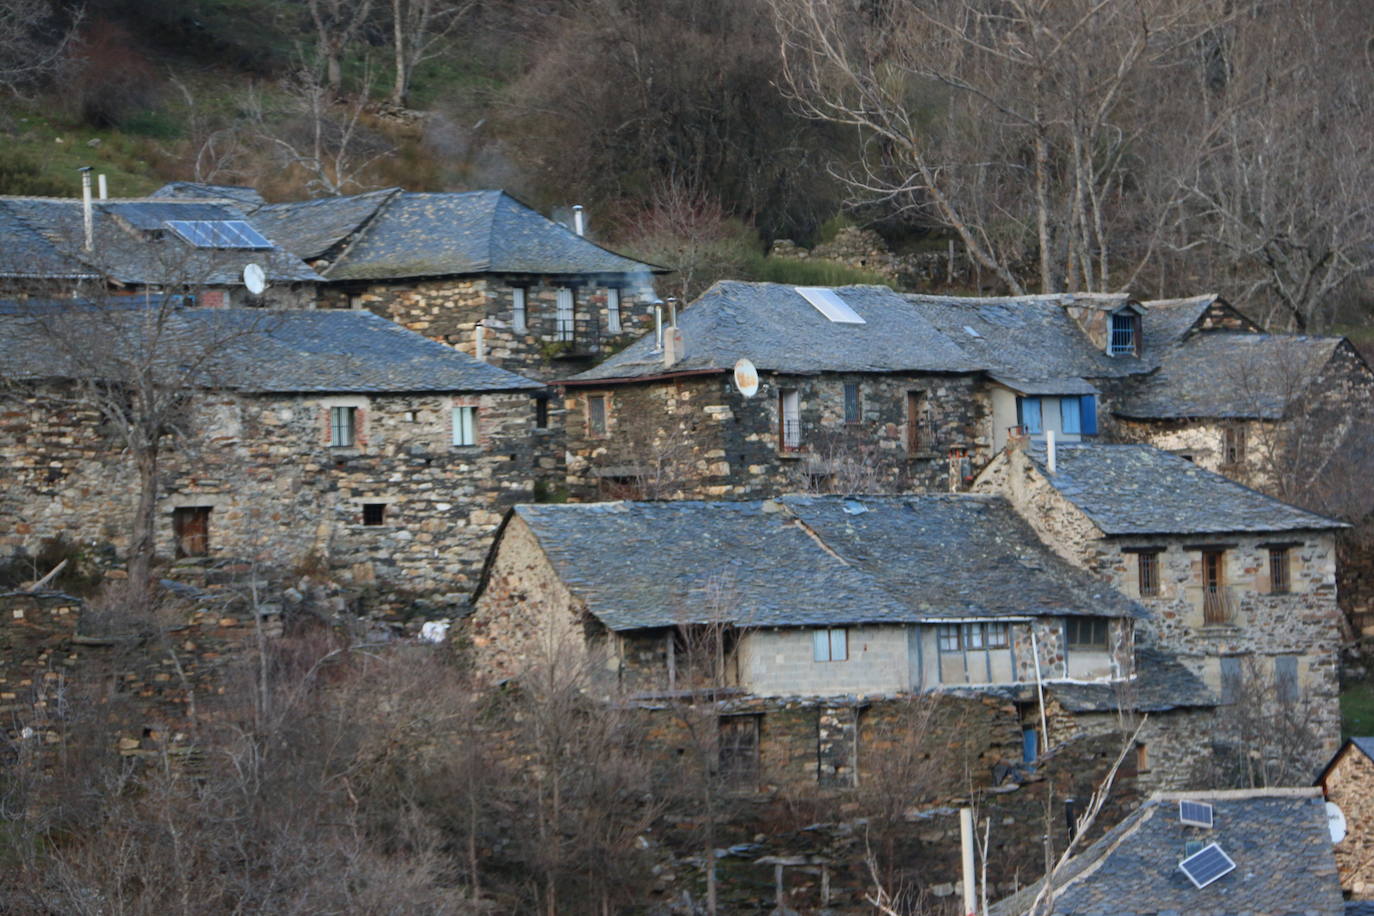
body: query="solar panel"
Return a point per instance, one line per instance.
(829, 304)
(218, 233)
(1195, 814)
(1204, 867)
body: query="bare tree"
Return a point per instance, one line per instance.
(684, 228)
(418, 30)
(338, 24)
(34, 42)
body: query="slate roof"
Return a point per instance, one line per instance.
(1027, 337)
(1366, 746)
(247, 198)
(773, 326)
(1138, 489)
(126, 253)
(408, 235)
(1162, 683)
(1278, 839)
(25, 254)
(1228, 375)
(311, 229)
(1167, 321)
(254, 350)
(884, 560)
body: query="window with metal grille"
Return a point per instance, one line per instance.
(1086, 633)
(613, 310)
(853, 405)
(563, 315)
(830, 645)
(1125, 334)
(517, 318)
(1278, 570)
(342, 426)
(374, 514)
(1147, 573)
(1216, 601)
(596, 415)
(789, 409)
(465, 426)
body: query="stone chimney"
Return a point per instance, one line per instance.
(674, 349)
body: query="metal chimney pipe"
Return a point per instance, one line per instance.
(1049, 451)
(104, 189)
(672, 311)
(658, 327)
(480, 341)
(87, 213)
(579, 220)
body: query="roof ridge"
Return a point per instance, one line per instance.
(362, 230)
(1236, 794)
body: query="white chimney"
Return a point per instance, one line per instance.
(658, 327)
(579, 220)
(88, 215)
(1049, 450)
(480, 342)
(674, 350)
(104, 189)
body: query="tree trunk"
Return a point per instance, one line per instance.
(142, 544)
(398, 35)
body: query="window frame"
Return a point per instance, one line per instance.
(1023, 414)
(1147, 573)
(944, 634)
(519, 318)
(1073, 634)
(565, 315)
(916, 409)
(463, 426)
(343, 434)
(1131, 332)
(541, 412)
(598, 422)
(181, 515)
(374, 515)
(997, 635)
(737, 747)
(786, 442)
(824, 641)
(1233, 444)
(613, 325)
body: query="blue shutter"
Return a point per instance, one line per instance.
(1087, 412)
(1069, 413)
(1030, 415)
(1030, 745)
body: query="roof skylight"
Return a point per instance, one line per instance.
(829, 304)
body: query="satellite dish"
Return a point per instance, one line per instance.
(254, 279)
(1335, 822)
(746, 378)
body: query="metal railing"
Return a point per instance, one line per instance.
(791, 435)
(1219, 605)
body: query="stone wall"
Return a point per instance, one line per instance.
(1350, 784)
(698, 437)
(277, 491)
(448, 310)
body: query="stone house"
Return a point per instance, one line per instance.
(806, 611)
(446, 264)
(198, 248)
(315, 440)
(1265, 852)
(1239, 587)
(1348, 783)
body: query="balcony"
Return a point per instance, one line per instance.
(791, 435)
(569, 338)
(1219, 606)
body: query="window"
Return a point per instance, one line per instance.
(1278, 570)
(789, 409)
(465, 426)
(853, 406)
(1286, 678)
(191, 528)
(1142, 758)
(1028, 415)
(613, 310)
(1215, 599)
(374, 514)
(563, 315)
(1233, 445)
(596, 415)
(541, 413)
(915, 420)
(1147, 573)
(830, 645)
(947, 635)
(343, 427)
(738, 738)
(517, 318)
(998, 635)
(972, 636)
(1070, 416)
(1125, 334)
(1086, 633)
